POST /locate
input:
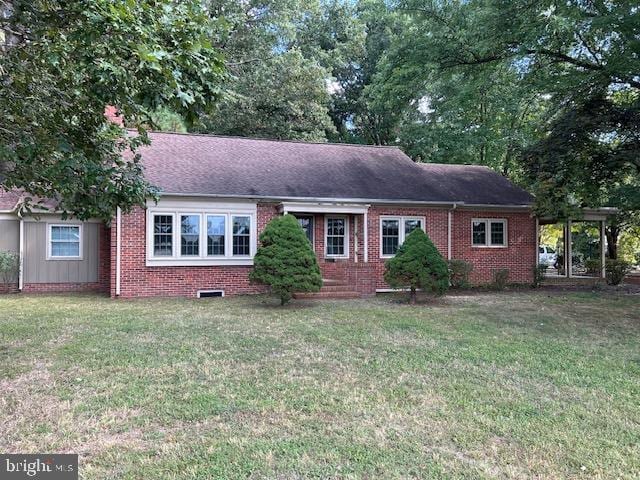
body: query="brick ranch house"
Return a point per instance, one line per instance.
(356, 204)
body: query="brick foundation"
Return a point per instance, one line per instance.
(61, 287)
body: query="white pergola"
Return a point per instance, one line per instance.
(599, 215)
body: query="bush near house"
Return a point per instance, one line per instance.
(459, 272)
(9, 267)
(500, 278)
(539, 271)
(285, 260)
(616, 271)
(592, 266)
(418, 264)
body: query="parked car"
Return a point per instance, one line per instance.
(547, 255)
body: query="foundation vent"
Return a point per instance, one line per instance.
(210, 293)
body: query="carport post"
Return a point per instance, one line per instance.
(568, 254)
(603, 260)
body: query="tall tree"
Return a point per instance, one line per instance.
(64, 61)
(569, 69)
(281, 55)
(355, 117)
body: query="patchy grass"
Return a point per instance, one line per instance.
(486, 386)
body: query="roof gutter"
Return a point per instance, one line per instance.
(348, 200)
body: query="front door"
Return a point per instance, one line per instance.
(306, 222)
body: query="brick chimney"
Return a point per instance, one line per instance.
(114, 115)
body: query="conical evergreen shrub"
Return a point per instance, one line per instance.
(418, 265)
(285, 259)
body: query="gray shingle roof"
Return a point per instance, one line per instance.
(475, 184)
(216, 165)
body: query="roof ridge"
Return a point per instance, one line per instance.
(266, 139)
(456, 165)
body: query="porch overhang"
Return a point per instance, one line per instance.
(587, 214)
(324, 207)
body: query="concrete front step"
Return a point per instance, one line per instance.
(325, 294)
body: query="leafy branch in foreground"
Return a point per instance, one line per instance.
(63, 62)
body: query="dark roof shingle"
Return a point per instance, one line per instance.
(475, 184)
(9, 199)
(230, 166)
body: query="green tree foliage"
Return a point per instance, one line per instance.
(62, 62)
(545, 92)
(418, 264)
(281, 56)
(285, 259)
(283, 97)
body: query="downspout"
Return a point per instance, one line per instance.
(21, 255)
(365, 228)
(355, 238)
(537, 260)
(118, 247)
(450, 231)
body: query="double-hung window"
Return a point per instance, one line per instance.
(394, 230)
(189, 235)
(163, 235)
(336, 240)
(65, 242)
(216, 235)
(488, 232)
(241, 235)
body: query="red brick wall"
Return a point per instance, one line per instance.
(62, 287)
(519, 256)
(139, 280)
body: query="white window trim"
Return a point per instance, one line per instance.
(251, 222)
(179, 227)
(401, 229)
(488, 222)
(346, 236)
(226, 234)
(176, 259)
(50, 256)
(174, 248)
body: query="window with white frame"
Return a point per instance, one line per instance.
(336, 237)
(394, 230)
(65, 242)
(216, 235)
(488, 232)
(200, 237)
(163, 235)
(189, 235)
(241, 235)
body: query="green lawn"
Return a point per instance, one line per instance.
(513, 385)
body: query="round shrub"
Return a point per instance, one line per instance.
(616, 271)
(285, 259)
(418, 264)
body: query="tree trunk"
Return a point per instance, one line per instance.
(412, 296)
(612, 233)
